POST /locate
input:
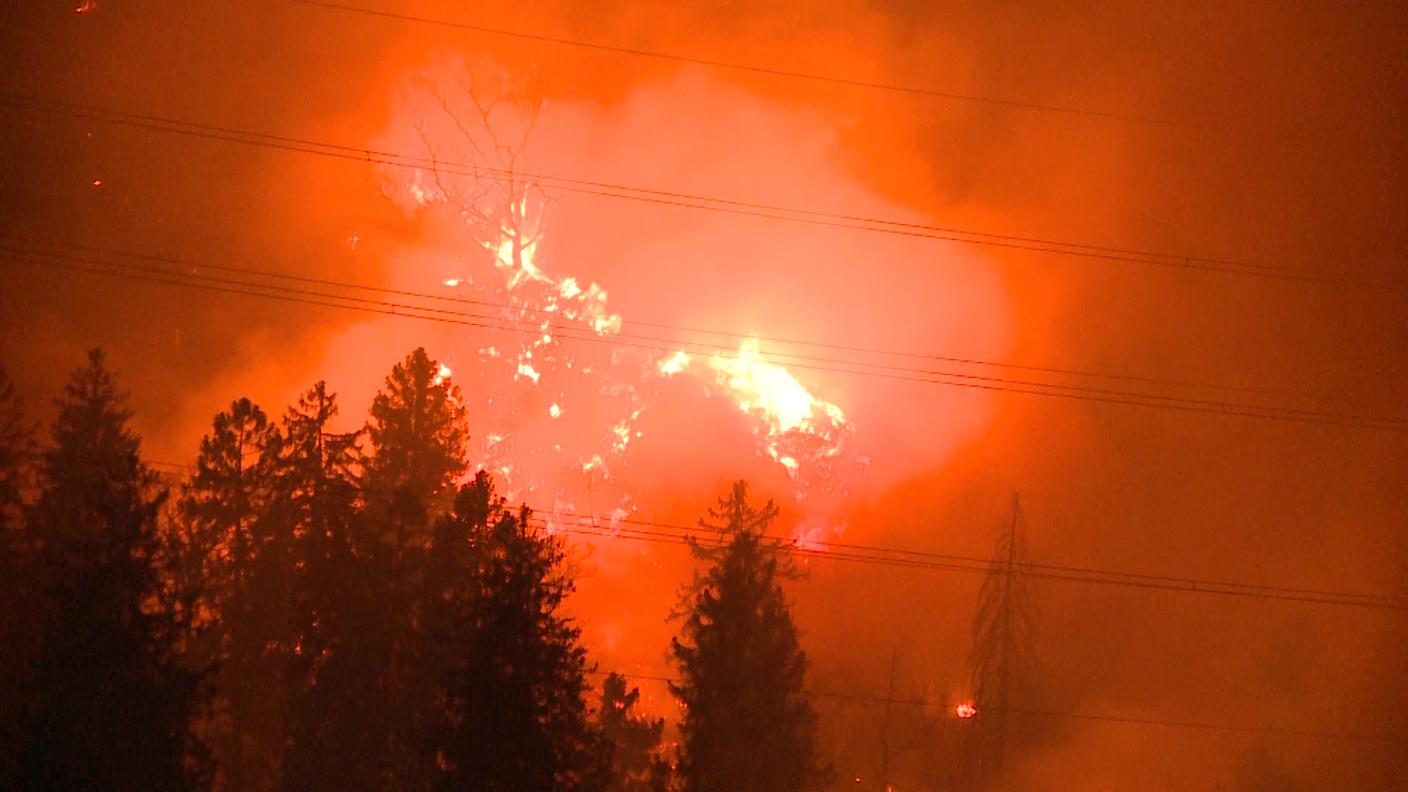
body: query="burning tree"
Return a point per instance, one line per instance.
(499, 200)
(1003, 632)
(485, 171)
(485, 126)
(478, 134)
(747, 722)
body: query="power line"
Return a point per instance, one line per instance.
(1087, 716)
(687, 200)
(656, 344)
(188, 266)
(641, 341)
(916, 560)
(850, 82)
(986, 565)
(673, 533)
(926, 703)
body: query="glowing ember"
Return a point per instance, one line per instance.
(675, 363)
(527, 370)
(965, 711)
(442, 374)
(812, 537)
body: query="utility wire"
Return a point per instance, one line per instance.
(924, 559)
(925, 703)
(701, 535)
(687, 200)
(187, 471)
(907, 559)
(659, 55)
(663, 345)
(1113, 719)
(773, 341)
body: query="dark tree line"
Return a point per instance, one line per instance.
(320, 609)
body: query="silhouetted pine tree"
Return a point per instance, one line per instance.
(515, 715)
(417, 435)
(113, 707)
(244, 559)
(747, 723)
(20, 626)
(331, 743)
(17, 454)
(634, 740)
(1003, 631)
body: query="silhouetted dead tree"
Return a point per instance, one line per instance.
(488, 186)
(1003, 633)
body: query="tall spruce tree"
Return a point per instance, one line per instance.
(19, 608)
(747, 723)
(417, 436)
(245, 561)
(316, 503)
(515, 714)
(17, 456)
(113, 705)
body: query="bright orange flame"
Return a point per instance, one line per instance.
(536, 302)
(771, 389)
(787, 409)
(965, 710)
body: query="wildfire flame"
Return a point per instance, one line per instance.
(796, 425)
(805, 435)
(965, 711)
(793, 424)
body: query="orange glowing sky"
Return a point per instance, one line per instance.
(687, 268)
(1268, 135)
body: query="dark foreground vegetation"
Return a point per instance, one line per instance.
(305, 609)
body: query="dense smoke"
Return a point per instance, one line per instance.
(1249, 134)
